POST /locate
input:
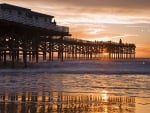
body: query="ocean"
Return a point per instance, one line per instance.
(77, 86)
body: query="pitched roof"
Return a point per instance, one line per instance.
(8, 6)
(13, 7)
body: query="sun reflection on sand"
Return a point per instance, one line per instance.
(104, 95)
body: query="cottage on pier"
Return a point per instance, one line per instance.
(31, 18)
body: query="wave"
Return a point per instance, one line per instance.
(134, 88)
(135, 66)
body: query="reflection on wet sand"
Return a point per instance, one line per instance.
(63, 102)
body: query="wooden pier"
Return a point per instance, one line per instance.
(26, 35)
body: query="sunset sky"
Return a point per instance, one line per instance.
(99, 19)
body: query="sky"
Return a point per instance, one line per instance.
(101, 20)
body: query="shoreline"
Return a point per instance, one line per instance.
(137, 66)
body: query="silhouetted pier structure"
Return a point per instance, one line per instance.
(26, 35)
(59, 102)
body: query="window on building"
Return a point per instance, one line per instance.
(53, 22)
(29, 15)
(36, 17)
(10, 11)
(3, 9)
(45, 19)
(19, 13)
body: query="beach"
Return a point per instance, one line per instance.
(59, 56)
(80, 86)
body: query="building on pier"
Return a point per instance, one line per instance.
(27, 17)
(26, 35)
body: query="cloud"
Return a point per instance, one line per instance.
(91, 11)
(135, 4)
(92, 6)
(143, 50)
(105, 6)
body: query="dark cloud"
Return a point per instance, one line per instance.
(103, 6)
(96, 6)
(120, 5)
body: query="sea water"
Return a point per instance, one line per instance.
(77, 87)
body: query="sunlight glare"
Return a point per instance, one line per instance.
(104, 96)
(105, 54)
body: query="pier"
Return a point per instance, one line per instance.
(26, 36)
